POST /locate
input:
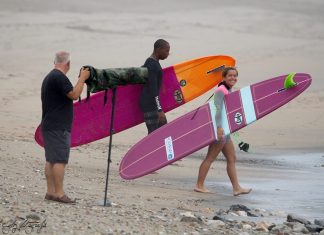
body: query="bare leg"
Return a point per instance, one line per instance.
(229, 153)
(213, 151)
(58, 175)
(49, 178)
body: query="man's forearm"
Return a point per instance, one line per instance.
(77, 90)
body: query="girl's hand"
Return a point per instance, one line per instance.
(220, 133)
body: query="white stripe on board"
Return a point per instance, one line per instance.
(225, 121)
(213, 114)
(248, 106)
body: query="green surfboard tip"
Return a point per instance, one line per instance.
(289, 81)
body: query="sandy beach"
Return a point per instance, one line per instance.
(285, 167)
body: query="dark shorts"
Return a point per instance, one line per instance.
(152, 121)
(57, 145)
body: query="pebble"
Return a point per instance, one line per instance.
(246, 227)
(314, 228)
(319, 222)
(295, 218)
(280, 229)
(241, 213)
(262, 226)
(215, 223)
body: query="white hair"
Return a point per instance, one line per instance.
(62, 57)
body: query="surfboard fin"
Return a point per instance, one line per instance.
(220, 68)
(289, 81)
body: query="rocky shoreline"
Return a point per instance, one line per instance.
(238, 219)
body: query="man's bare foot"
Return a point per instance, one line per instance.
(242, 191)
(201, 190)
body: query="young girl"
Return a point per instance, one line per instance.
(224, 143)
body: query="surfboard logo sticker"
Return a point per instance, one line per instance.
(183, 83)
(238, 118)
(169, 148)
(178, 96)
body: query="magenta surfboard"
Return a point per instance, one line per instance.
(196, 129)
(181, 83)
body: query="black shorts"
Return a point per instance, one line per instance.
(57, 145)
(152, 121)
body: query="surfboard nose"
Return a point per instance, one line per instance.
(303, 79)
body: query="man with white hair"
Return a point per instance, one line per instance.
(57, 96)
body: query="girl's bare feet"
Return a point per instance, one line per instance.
(241, 191)
(201, 190)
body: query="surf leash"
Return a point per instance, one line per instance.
(241, 144)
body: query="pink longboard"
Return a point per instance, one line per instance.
(197, 128)
(181, 83)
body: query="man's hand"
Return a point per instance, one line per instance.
(77, 89)
(162, 117)
(84, 74)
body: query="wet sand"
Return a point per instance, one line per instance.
(289, 183)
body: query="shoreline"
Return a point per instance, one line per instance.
(267, 40)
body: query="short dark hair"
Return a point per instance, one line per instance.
(160, 43)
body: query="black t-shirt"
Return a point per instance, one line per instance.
(56, 106)
(150, 100)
